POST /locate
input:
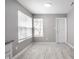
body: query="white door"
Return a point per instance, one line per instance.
(61, 30)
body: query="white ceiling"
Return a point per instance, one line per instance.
(37, 6)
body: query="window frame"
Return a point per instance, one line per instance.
(24, 26)
(41, 27)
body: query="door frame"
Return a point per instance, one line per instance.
(65, 30)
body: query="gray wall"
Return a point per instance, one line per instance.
(11, 24)
(70, 17)
(49, 22)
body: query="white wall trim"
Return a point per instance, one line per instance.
(45, 43)
(70, 45)
(15, 57)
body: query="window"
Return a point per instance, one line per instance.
(38, 27)
(24, 26)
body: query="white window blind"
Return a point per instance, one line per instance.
(24, 26)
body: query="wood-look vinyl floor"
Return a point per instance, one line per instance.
(47, 51)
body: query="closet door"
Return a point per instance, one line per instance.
(61, 30)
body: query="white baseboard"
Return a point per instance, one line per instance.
(44, 42)
(70, 45)
(15, 57)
